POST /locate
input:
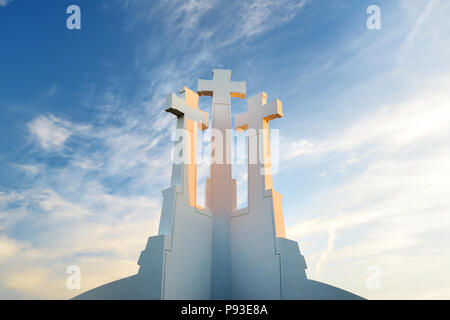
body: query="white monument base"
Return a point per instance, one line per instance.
(178, 266)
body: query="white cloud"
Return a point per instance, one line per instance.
(189, 12)
(181, 16)
(4, 2)
(260, 16)
(324, 255)
(50, 132)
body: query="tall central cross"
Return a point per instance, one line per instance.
(220, 188)
(221, 89)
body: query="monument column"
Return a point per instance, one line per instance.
(184, 167)
(220, 185)
(256, 121)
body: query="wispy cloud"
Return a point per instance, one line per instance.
(324, 255)
(196, 36)
(260, 16)
(4, 2)
(52, 132)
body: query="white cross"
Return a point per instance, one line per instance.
(259, 113)
(188, 114)
(256, 121)
(260, 183)
(220, 188)
(221, 88)
(186, 107)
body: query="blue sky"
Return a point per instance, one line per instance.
(85, 142)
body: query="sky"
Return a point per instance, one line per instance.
(85, 144)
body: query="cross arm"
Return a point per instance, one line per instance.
(238, 89)
(178, 107)
(205, 87)
(221, 83)
(273, 110)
